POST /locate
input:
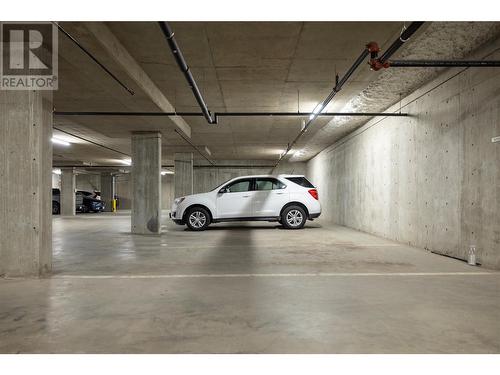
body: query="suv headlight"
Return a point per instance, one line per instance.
(178, 201)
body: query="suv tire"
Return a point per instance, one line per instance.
(197, 219)
(293, 217)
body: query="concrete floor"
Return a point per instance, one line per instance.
(246, 288)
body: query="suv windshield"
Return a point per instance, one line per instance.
(302, 181)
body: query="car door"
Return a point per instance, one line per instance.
(234, 200)
(270, 197)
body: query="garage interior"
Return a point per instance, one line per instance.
(400, 137)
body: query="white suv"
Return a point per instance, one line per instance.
(288, 199)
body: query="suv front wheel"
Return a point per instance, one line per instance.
(197, 219)
(293, 217)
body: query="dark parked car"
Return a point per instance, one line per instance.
(56, 202)
(91, 201)
(85, 201)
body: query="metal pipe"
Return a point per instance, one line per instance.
(325, 102)
(403, 38)
(82, 166)
(224, 114)
(181, 62)
(196, 148)
(302, 114)
(92, 142)
(443, 63)
(131, 92)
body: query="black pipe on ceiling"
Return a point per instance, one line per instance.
(91, 142)
(336, 89)
(99, 166)
(193, 146)
(225, 114)
(443, 63)
(87, 52)
(403, 38)
(181, 62)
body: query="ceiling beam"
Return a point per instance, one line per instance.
(123, 58)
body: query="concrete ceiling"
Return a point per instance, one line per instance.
(248, 67)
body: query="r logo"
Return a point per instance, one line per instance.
(29, 56)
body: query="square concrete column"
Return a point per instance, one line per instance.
(146, 182)
(107, 190)
(68, 187)
(183, 178)
(25, 183)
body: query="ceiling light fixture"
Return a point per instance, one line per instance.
(163, 173)
(56, 171)
(60, 141)
(126, 161)
(316, 110)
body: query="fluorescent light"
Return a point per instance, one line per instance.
(60, 141)
(163, 173)
(126, 161)
(56, 171)
(316, 110)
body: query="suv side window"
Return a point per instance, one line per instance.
(302, 181)
(266, 183)
(239, 186)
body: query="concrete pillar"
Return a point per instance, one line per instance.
(107, 190)
(25, 183)
(146, 182)
(183, 178)
(68, 187)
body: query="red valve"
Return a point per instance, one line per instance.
(373, 47)
(375, 63)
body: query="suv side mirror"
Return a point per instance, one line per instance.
(223, 190)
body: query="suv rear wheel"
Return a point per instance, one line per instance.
(197, 219)
(293, 217)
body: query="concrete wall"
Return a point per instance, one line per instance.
(123, 191)
(431, 180)
(56, 181)
(167, 191)
(88, 182)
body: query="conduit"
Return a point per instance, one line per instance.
(369, 50)
(443, 63)
(196, 148)
(87, 52)
(181, 62)
(384, 61)
(223, 114)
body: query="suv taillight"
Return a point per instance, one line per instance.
(314, 193)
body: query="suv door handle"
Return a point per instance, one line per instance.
(280, 193)
(246, 196)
